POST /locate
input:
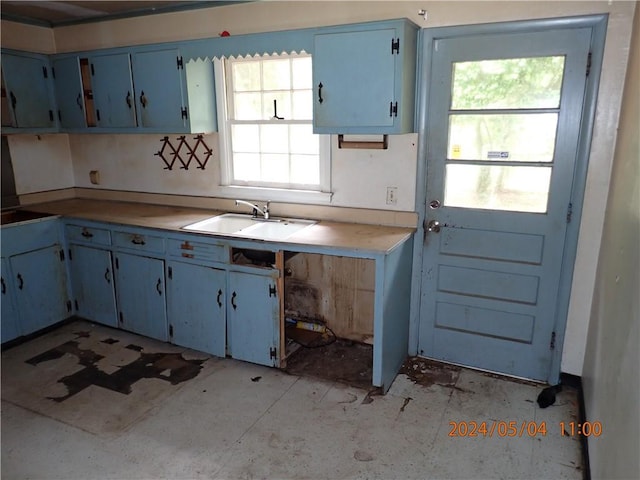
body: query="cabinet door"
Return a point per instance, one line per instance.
(253, 313)
(158, 77)
(140, 293)
(113, 93)
(196, 307)
(41, 288)
(9, 327)
(29, 91)
(357, 73)
(68, 86)
(92, 284)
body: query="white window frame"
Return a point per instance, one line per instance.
(228, 189)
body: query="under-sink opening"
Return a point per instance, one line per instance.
(253, 257)
(328, 317)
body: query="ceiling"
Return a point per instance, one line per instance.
(59, 13)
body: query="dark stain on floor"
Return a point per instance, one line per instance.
(170, 367)
(428, 372)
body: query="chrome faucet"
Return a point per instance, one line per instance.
(255, 208)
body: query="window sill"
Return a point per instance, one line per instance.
(274, 194)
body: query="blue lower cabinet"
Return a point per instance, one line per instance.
(40, 283)
(92, 284)
(141, 295)
(253, 318)
(9, 327)
(196, 304)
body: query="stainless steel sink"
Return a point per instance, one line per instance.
(252, 227)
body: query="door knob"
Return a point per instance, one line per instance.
(433, 226)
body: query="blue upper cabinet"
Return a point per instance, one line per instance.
(69, 93)
(28, 100)
(364, 78)
(112, 89)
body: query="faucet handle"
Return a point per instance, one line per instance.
(265, 211)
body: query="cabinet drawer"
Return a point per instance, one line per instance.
(97, 236)
(139, 241)
(197, 250)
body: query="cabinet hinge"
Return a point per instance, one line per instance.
(59, 116)
(272, 291)
(45, 74)
(183, 112)
(69, 306)
(61, 255)
(395, 46)
(76, 304)
(179, 63)
(121, 319)
(588, 64)
(273, 353)
(93, 72)
(393, 109)
(569, 212)
(51, 115)
(53, 72)
(118, 268)
(171, 330)
(170, 272)
(98, 114)
(552, 343)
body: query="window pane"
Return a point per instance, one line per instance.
(303, 140)
(528, 137)
(305, 169)
(246, 76)
(301, 73)
(245, 138)
(246, 167)
(275, 168)
(283, 105)
(247, 106)
(302, 105)
(497, 187)
(277, 75)
(510, 83)
(274, 138)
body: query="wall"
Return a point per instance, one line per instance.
(398, 167)
(611, 378)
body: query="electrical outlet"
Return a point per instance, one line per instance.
(392, 195)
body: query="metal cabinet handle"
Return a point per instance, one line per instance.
(4, 286)
(79, 101)
(137, 240)
(218, 299)
(128, 99)
(143, 99)
(233, 300)
(21, 282)
(107, 275)
(158, 286)
(320, 99)
(86, 233)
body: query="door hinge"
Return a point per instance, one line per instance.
(179, 63)
(552, 343)
(69, 306)
(76, 304)
(44, 72)
(61, 253)
(183, 112)
(588, 64)
(395, 46)
(171, 330)
(170, 272)
(393, 109)
(272, 291)
(273, 353)
(569, 212)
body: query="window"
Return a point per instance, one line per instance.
(267, 132)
